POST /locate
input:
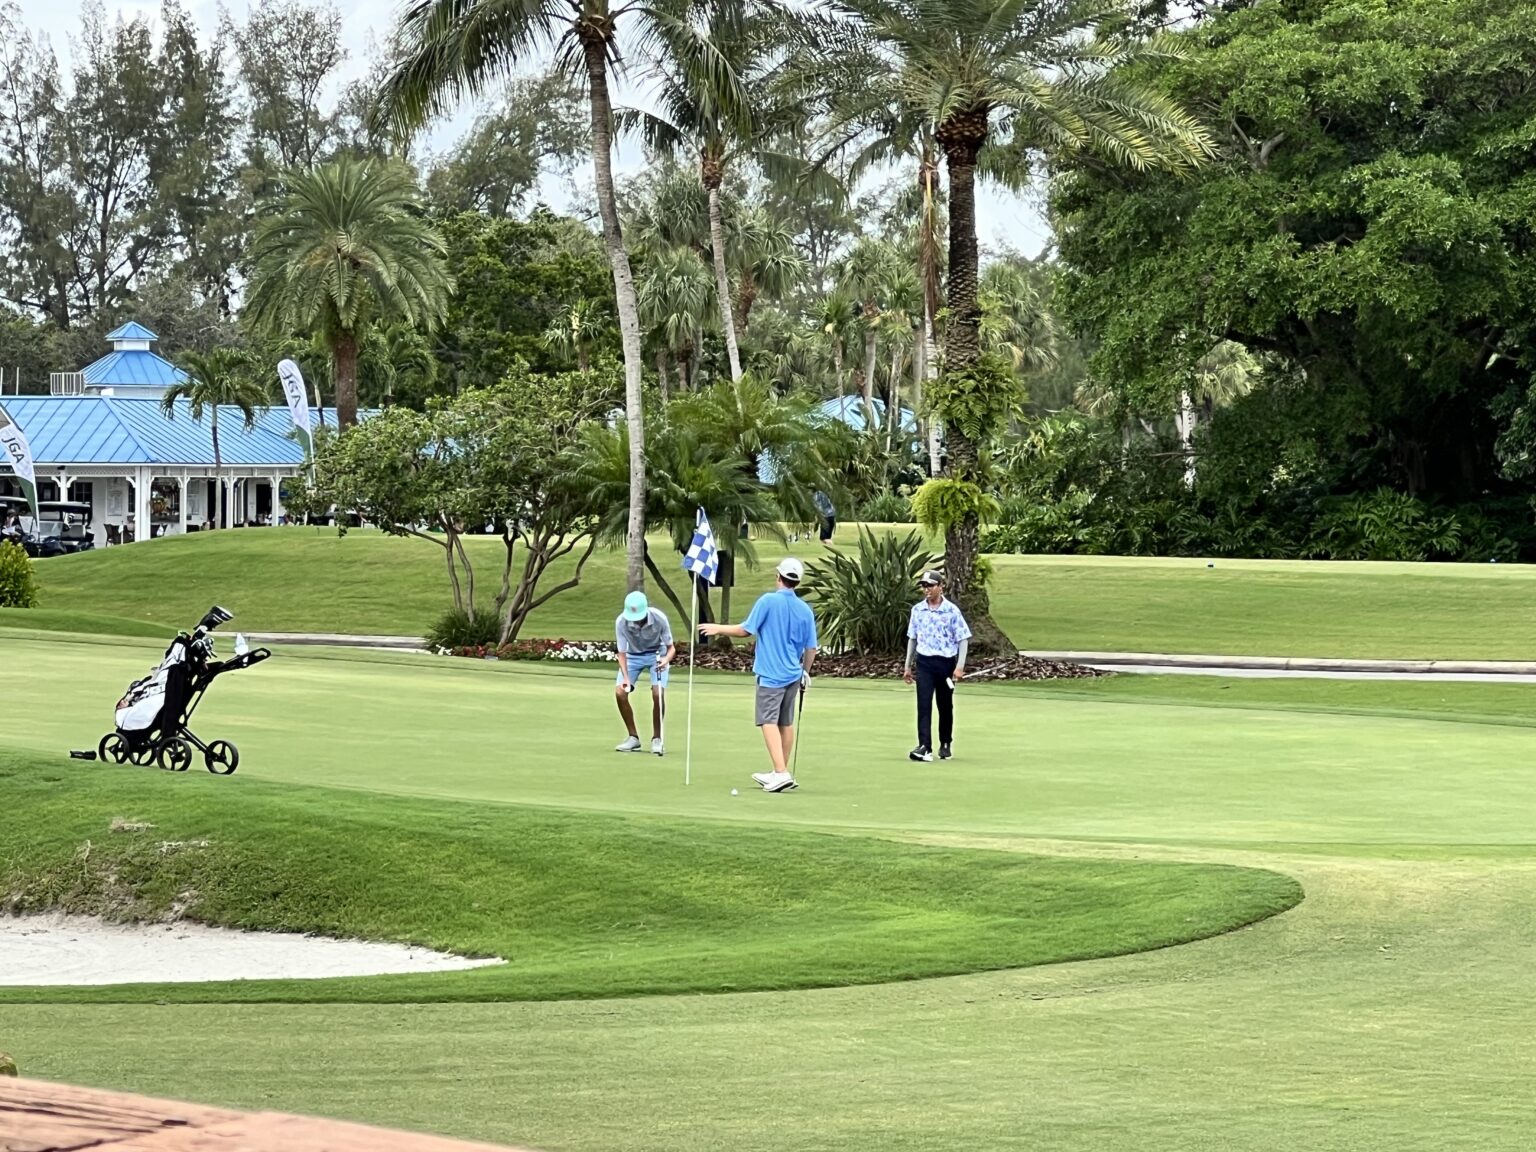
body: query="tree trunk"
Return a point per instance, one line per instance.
(928, 260)
(661, 374)
(837, 365)
(962, 137)
(583, 360)
(871, 353)
(344, 374)
(594, 48)
(1184, 421)
(893, 400)
(712, 176)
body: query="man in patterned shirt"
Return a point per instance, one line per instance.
(937, 639)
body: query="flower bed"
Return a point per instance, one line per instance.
(739, 659)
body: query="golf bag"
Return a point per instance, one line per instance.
(151, 719)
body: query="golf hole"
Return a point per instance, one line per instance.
(56, 949)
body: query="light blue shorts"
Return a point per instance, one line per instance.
(640, 662)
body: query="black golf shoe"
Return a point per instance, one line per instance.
(922, 754)
(945, 752)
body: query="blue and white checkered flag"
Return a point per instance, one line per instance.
(703, 557)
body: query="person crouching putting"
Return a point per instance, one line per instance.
(937, 639)
(644, 638)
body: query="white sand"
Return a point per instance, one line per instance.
(38, 950)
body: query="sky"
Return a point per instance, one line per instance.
(1004, 221)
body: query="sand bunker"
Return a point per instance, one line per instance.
(47, 950)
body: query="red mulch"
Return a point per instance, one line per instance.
(855, 666)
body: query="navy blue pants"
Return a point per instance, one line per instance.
(933, 673)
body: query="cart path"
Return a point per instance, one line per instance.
(1153, 663)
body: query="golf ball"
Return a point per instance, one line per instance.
(734, 792)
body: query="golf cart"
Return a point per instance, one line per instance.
(65, 524)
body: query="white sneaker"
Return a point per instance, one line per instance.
(657, 748)
(778, 782)
(763, 777)
(631, 744)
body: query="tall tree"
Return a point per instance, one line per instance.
(496, 165)
(217, 379)
(289, 52)
(453, 48)
(1024, 77)
(343, 248)
(704, 109)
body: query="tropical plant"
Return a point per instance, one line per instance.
(674, 295)
(712, 108)
(465, 628)
(18, 583)
(1015, 77)
(222, 378)
(343, 248)
(572, 331)
(453, 48)
(862, 600)
(1015, 321)
(887, 508)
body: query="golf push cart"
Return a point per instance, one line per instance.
(153, 714)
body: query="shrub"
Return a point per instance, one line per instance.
(862, 600)
(18, 585)
(887, 508)
(458, 628)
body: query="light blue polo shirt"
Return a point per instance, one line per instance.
(785, 627)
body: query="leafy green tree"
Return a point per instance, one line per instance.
(514, 280)
(343, 248)
(453, 48)
(495, 166)
(289, 51)
(1381, 258)
(674, 295)
(222, 378)
(1022, 77)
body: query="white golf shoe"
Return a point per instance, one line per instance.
(631, 744)
(658, 748)
(775, 781)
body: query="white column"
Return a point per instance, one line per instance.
(141, 526)
(182, 501)
(99, 510)
(277, 498)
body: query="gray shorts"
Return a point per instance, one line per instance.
(776, 706)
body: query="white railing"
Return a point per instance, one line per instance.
(66, 383)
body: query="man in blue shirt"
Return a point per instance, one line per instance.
(785, 628)
(937, 638)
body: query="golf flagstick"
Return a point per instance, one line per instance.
(693, 644)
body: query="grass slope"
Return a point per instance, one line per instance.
(580, 905)
(308, 579)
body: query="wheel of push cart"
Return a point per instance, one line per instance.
(143, 757)
(222, 758)
(113, 748)
(175, 755)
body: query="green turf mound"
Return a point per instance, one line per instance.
(580, 905)
(85, 623)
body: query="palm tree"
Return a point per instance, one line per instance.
(1223, 375)
(721, 115)
(761, 248)
(221, 378)
(342, 248)
(1021, 77)
(1015, 320)
(570, 332)
(863, 276)
(674, 305)
(453, 48)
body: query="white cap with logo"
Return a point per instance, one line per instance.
(791, 569)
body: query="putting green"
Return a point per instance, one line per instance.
(1391, 1008)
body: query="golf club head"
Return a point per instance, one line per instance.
(214, 617)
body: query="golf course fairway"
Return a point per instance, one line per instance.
(1391, 1007)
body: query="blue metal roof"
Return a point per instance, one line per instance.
(131, 331)
(125, 430)
(850, 410)
(133, 369)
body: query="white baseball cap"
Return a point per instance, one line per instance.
(791, 569)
